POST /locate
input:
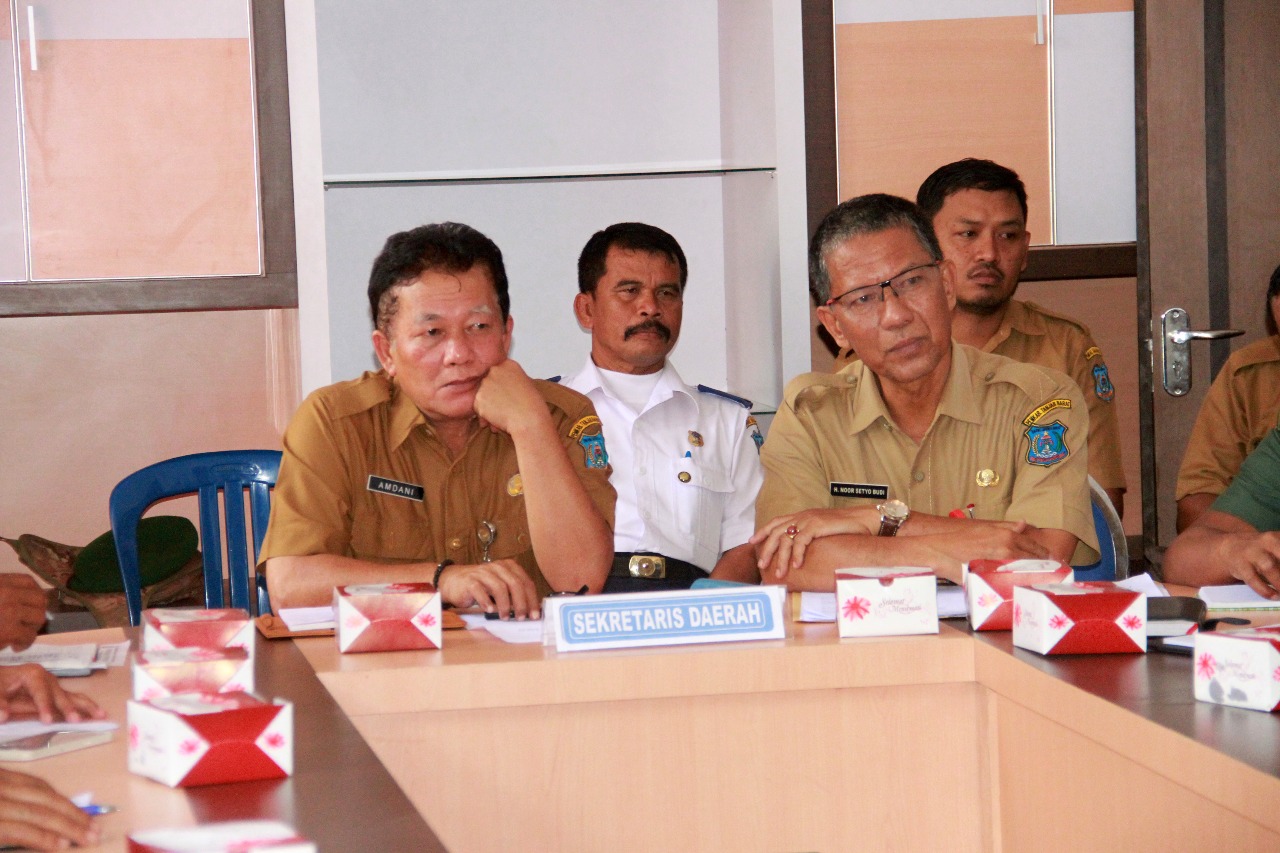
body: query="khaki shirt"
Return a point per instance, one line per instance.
(1241, 407)
(426, 506)
(1036, 335)
(1019, 428)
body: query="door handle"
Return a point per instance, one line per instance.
(1175, 352)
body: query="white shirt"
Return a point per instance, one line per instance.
(686, 468)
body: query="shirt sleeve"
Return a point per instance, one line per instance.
(739, 518)
(1252, 495)
(1104, 429)
(794, 476)
(311, 504)
(1219, 441)
(1055, 494)
(582, 437)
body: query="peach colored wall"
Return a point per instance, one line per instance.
(86, 400)
(148, 171)
(919, 81)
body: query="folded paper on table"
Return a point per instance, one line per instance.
(1236, 596)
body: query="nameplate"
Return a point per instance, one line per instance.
(675, 618)
(859, 490)
(412, 491)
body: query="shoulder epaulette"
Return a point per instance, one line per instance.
(555, 379)
(741, 401)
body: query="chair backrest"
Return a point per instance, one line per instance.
(231, 472)
(1112, 544)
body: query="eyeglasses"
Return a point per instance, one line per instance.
(864, 302)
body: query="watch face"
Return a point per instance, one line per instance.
(894, 510)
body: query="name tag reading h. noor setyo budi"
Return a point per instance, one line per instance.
(673, 618)
(876, 491)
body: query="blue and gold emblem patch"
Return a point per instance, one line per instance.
(596, 457)
(1102, 384)
(1047, 444)
(754, 429)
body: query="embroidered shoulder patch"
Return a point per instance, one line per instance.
(1091, 353)
(1102, 384)
(1060, 403)
(593, 445)
(754, 429)
(583, 425)
(1047, 444)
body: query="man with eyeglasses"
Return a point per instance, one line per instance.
(927, 452)
(979, 212)
(685, 460)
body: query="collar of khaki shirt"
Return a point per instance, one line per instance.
(1017, 316)
(959, 399)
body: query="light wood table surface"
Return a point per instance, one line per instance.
(339, 795)
(955, 741)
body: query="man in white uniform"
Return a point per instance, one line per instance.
(685, 460)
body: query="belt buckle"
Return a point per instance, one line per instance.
(647, 566)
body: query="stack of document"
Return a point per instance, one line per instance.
(69, 658)
(1236, 596)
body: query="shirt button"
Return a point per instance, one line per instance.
(640, 470)
(455, 544)
(918, 476)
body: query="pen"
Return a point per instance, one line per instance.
(95, 809)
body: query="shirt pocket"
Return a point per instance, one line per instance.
(699, 494)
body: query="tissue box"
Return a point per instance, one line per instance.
(173, 628)
(882, 602)
(387, 617)
(989, 584)
(206, 738)
(237, 836)
(191, 670)
(1239, 668)
(1079, 618)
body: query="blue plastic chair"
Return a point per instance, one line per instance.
(1112, 544)
(228, 471)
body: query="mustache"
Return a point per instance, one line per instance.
(990, 268)
(647, 325)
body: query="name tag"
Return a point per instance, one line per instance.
(396, 488)
(634, 620)
(859, 490)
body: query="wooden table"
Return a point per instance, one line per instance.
(954, 741)
(339, 795)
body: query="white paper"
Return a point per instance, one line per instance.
(821, 606)
(308, 618)
(1144, 583)
(1186, 642)
(1170, 627)
(54, 657)
(113, 654)
(27, 728)
(515, 631)
(1236, 596)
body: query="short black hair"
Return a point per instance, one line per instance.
(866, 214)
(444, 246)
(1273, 292)
(969, 174)
(636, 236)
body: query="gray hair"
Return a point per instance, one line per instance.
(866, 214)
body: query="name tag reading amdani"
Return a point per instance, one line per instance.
(396, 488)
(859, 490)
(631, 620)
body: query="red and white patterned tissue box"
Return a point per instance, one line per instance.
(237, 836)
(191, 670)
(176, 628)
(1090, 617)
(193, 739)
(989, 585)
(387, 617)
(1239, 668)
(881, 602)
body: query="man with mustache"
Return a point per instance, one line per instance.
(449, 465)
(685, 460)
(979, 212)
(926, 452)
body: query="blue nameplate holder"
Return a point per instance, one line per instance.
(674, 618)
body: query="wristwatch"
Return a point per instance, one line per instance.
(893, 514)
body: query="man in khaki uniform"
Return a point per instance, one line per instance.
(979, 213)
(449, 465)
(1242, 406)
(919, 428)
